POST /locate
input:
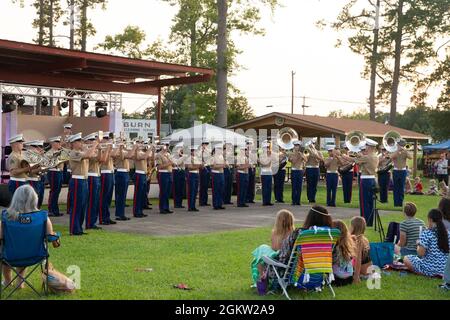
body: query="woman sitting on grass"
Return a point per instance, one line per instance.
(409, 231)
(284, 225)
(343, 254)
(432, 249)
(443, 189)
(444, 206)
(24, 201)
(362, 248)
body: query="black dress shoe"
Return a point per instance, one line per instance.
(122, 219)
(139, 216)
(268, 205)
(169, 211)
(229, 203)
(95, 228)
(112, 222)
(181, 207)
(79, 234)
(253, 202)
(243, 206)
(105, 223)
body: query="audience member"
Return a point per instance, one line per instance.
(362, 248)
(410, 230)
(343, 256)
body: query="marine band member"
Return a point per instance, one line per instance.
(384, 177)
(253, 159)
(164, 164)
(279, 177)
(313, 173)
(140, 158)
(228, 171)
(78, 187)
(122, 179)
(193, 165)
(205, 173)
(18, 174)
(346, 166)
(217, 165)
(265, 161)
(298, 160)
(107, 181)
(35, 177)
(332, 177)
(242, 166)
(55, 178)
(399, 159)
(179, 176)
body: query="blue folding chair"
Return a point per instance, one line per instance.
(24, 244)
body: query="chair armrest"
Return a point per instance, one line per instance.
(272, 262)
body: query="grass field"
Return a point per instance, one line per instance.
(216, 266)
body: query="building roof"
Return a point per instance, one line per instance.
(311, 126)
(31, 64)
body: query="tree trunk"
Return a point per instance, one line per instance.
(41, 43)
(397, 57)
(72, 24)
(194, 64)
(50, 24)
(84, 25)
(373, 75)
(222, 70)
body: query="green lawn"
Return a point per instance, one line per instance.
(216, 266)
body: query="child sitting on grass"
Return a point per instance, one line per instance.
(433, 248)
(433, 190)
(409, 231)
(443, 189)
(343, 254)
(418, 187)
(362, 248)
(284, 226)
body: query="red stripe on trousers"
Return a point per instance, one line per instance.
(362, 198)
(90, 202)
(74, 205)
(173, 188)
(100, 218)
(238, 187)
(136, 188)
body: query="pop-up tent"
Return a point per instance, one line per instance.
(195, 135)
(440, 146)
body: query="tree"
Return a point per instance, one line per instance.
(411, 33)
(222, 73)
(86, 28)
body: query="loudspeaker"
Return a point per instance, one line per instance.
(5, 196)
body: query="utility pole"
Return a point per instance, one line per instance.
(292, 93)
(373, 75)
(304, 106)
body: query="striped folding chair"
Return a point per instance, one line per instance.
(310, 265)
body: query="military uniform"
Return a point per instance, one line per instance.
(164, 180)
(297, 160)
(346, 169)
(265, 161)
(140, 186)
(106, 190)
(55, 179)
(192, 164)
(242, 166)
(14, 160)
(384, 179)
(34, 178)
(368, 165)
(205, 175)
(217, 178)
(253, 160)
(332, 179)
(122, 179)
(228, 174)
(279, 178)
(93, 207)
(399, 175)
(312, 175)
(179, 179)
(78, 189)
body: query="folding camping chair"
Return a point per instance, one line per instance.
(311, 261)
(24, 244)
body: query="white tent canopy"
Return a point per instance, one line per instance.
(215, 135)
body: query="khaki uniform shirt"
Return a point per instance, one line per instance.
(332, 164)
(94, 166)
(241, 160)
(297, 160)
(163, 158)
(108, 164)
(368, 164)
(192, 162)
(217, 159)
(266, 161)
(120, 162)
(78, 165)
(14, 161)
(313, 159)
(399, 158)
(141, 165)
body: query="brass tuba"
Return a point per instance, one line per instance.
(355, 140)
(286, 137)
(390, 141)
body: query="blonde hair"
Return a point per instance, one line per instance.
(284, 224)
(358, 226)
(344, 243)
(432, 182)
(24, 200)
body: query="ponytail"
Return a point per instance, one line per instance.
(436, 216)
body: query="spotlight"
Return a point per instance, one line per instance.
(21, 101)
(44, 102)
(101, 104)
(64, 104)
(9, 103)
(85, 105)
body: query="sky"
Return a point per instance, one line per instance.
(329, 77)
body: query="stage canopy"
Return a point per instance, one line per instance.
(215, 135)
(440, 146)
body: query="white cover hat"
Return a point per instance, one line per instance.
(75, 137)
(16, 138)
(55, 139)
(68, 126)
